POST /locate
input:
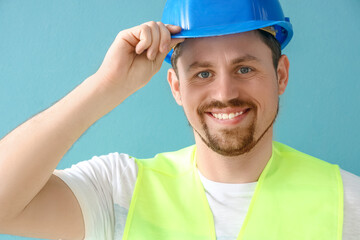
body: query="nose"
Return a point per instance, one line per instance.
(225, 88)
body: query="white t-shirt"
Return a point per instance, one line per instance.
(104, 187)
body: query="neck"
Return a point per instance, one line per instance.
(245, 168)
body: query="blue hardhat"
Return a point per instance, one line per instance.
(206, 18)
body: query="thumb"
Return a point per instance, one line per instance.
(174, 42)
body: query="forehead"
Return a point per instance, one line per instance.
(224, 49)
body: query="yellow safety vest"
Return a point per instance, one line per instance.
(297, 197)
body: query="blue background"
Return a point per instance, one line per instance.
(47, 48)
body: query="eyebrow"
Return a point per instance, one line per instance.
(238, 60)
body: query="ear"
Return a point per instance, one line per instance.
(174, 85)
(283, 73)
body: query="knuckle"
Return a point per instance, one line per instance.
(160, 24)
(120, 34)
(123, 32)
(152, 23)
(145, 27)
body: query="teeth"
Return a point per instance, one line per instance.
(226, 116)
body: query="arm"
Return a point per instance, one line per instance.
(29, 193)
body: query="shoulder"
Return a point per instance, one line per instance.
(104, 168)
(103, 186)
(170, 163)
(351, 185)
(105, 178)
(288, 152)
(303, 161)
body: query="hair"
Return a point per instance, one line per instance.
(266, 37)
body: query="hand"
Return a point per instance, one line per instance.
(136, 55)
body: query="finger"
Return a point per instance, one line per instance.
(155, 35)
(176, 41)
(161, 56)
(173, 29)
(165, 38)
(145, 38)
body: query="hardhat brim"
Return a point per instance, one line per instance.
(212, 31)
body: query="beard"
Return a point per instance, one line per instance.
(236, 141)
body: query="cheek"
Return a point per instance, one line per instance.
(270, 100)
(265, 92)
(187, 99)
(191, 100)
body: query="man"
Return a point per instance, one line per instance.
(235, 184)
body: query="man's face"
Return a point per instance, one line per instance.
(229, 90)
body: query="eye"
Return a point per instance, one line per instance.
(244, 70)
(204, 74)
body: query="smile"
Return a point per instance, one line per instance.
(228, 116)
(225, 116)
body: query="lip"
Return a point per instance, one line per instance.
(230, 122)
(227, 110)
